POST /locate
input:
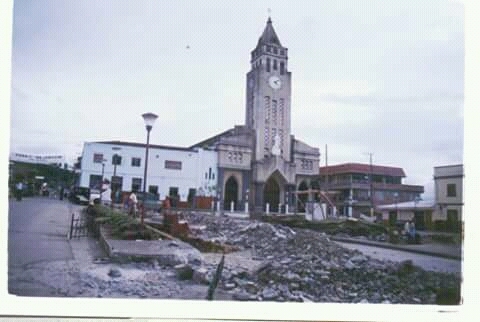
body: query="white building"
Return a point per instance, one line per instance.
(174, 171)
(449, 193)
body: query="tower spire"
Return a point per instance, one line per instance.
(269, 35)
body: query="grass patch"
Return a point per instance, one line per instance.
(120, 225)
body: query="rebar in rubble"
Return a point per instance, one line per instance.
(215, 279)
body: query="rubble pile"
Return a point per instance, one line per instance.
(304, 265)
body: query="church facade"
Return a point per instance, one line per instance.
(261, 164)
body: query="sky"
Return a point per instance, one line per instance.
(380, 77)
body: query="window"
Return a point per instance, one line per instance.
(282, 68)
(97, 158)
(451, 190)
(274, 112)
(280, 110)
(282, 52)
(268, 64)
(136, 184)
(153, 189)
(274, 64)
(116, 159)
(267, 109)
(174, 165)
(95, 181)
(173, 191)
(136, 162)
(269, 49)
(275, 50)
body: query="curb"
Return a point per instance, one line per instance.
(393, 247)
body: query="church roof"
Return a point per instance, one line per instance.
(269, 35)
(238, 135)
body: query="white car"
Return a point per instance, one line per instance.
(94, 196)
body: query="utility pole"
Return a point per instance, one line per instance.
(326, 168)
(370, 181)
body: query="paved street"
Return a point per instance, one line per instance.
(37, 244)
(429, 263)
(43, 262)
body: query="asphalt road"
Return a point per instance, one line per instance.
(428, 263)
(37, 236)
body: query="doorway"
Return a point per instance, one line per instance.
(231, 193)
(271, 194)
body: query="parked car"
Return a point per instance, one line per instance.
(149, 200)
(79, 195)
(94, 196)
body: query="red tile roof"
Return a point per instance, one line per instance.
(362, 168)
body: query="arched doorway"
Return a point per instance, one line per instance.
(231, 192)
(271, 194)
(302, 197)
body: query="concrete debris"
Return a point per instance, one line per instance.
(114, 272)
(304, 265)
(275, 263)
(184, 271)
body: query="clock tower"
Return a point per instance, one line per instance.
(268, 97)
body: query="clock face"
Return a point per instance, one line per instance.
(275, 82)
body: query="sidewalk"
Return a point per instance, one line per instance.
(431, 249)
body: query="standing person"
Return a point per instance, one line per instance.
(406, 228)
(132, 201)
(166, 203)
(106, 194)
(412, 231)
(19, 190)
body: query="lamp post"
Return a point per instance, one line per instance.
(149, 119)
(415, 201)
(103, 170)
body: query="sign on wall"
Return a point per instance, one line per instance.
(175, 165)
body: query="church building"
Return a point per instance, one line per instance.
(258, 165)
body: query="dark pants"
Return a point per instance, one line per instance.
(18, 194)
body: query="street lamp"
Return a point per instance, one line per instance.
(395, 196)
(103, 169)
(415, 201)
(103, 173)
(149, 119)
